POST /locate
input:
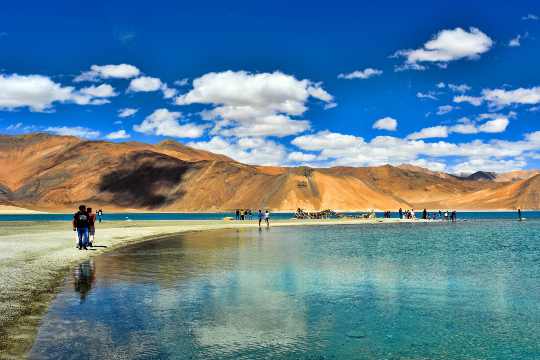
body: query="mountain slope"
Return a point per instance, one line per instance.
(46, 172)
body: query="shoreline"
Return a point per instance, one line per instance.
(35, 257)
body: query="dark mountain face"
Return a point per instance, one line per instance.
(482, 176)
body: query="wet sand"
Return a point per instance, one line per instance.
(34, 258)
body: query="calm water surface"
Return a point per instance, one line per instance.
(469, 290)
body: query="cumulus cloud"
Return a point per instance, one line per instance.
(39, 93)
(361, 74)
(347, 150)
(497, 124)
(78, 131)
(430, 132)
(300, 157)
(515, 42)
(150, 84)
(127, 112)
(476, 101)
(246, 150)
(120, 71)
(386, 123)
(116, 135)
(166, 123)
(491, 165)
(502, 97)
(446, 46)
(254, 104)
(101, 91)
(182, 82)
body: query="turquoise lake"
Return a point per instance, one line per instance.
(468, 290)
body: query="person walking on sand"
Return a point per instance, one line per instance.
(267, 218)
(80, 225)
(261, 216)
(91, 226)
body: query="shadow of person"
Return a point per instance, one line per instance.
(83, 278)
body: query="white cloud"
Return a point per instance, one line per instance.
(101, 91)
(121, 71)
(430, 132)
(361, 74)
(447, 45)
(441, 85)
(182, 82)
(429, 95)
(444, 109)
(461, 88)
(254, 104)
(494, 126)
(515, 42)
(530, 17)
(116, 135)
(145, 84)
(127, 112)
(165, 123)
(73, 131)
(149, 84)
(476, 101)
(39, 93)
(491, 165)
(501, 97)
(300, 157)
(246, 150)
(347, 150)
(13, 127)
(386, 123)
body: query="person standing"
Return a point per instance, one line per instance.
(91, 226)
(454, 216)
(80, 225)
(267, 218)
(400, 213)
(424, 214)
(519, 214)
(237, 214)
(261, 216)
(100, 214)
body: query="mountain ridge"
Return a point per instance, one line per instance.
(56, 173)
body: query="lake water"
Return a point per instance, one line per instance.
(221, 215)
(468, 290)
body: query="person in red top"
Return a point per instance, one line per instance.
(91, 226)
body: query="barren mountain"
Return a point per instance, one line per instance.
(46, 172)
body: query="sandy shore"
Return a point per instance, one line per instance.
(34, 258)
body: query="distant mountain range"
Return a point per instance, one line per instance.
(56, 173)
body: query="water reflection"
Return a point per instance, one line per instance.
(84, 276)
(434, 291)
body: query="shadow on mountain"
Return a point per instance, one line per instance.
(145, 179)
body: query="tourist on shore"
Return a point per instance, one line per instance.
(519, 214)
(261, 217)
(80, 225)
(250, 214)
(267, 218)
(237, 214)
(424, 214)
(453, 216)
(400, 211)
(91, 226)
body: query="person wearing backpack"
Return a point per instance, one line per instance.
(81, 225)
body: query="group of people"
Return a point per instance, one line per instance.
(410, 214)
(247, 214)
(84, 222)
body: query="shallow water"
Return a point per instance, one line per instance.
(468, 290)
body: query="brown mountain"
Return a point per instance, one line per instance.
(46, 172)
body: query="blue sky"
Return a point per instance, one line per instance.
(451, 86)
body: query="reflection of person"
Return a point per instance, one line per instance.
(80, 225)
(83, 278)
